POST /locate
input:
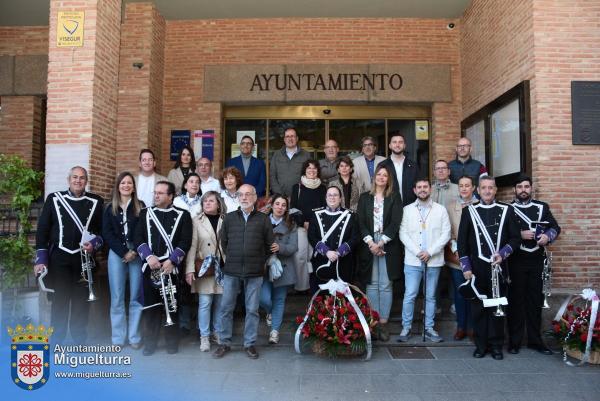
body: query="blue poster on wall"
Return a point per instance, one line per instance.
(179, 139)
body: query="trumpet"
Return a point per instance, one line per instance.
(496, 272)
(547, 278)
(167, 291)
(87, 264)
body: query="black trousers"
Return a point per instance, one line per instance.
(488, 329)
(525, 300)
(154, 318)
(70, 308)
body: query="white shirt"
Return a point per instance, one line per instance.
(145, 189)
(399, 166)
(291, 154)
(211, 184)
(192, 205)
(232, 203)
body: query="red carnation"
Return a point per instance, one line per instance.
(583, 337)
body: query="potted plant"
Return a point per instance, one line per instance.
(332, 326)
(19, 188)
(578, 330)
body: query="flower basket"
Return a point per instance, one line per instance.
(577, 326)
(576, 354)
(332, 327)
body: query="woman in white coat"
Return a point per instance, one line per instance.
(205, 242)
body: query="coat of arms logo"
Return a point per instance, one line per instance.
(30, 355)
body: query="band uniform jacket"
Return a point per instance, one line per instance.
(56, 230)
(473, 250)
(177, 224)
(343, 239)
(535, 210)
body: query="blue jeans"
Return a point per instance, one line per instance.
(118, 272)
(379, 290)
(464, 320)
(412, 280)
(272, 300)
(208, 303)
(231, 287)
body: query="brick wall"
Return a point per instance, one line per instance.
(17, 120)
(140, 90)
(192, 44)
(550, 43)
(23, 40)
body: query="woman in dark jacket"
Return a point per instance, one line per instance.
(307, 196)
(333, 254)
(273, 293)
(118, 227)
(380, 252)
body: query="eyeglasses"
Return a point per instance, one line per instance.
(368, 144)
(245, 194)
(462, 146)
(160, 193)
(440, 168)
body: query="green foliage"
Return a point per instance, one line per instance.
(20, 184)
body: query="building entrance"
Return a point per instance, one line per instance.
(317, 124)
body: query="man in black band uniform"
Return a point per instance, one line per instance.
(70, 223)
(488, 234)
(538, 229)
(163, 237)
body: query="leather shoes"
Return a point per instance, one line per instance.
(513, 349)
(460, 334)
(497, 354)
(221, 351)
(542, 349)
(251, 352)
(478, 353)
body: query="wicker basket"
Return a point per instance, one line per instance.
(321, 348)
(594, 356)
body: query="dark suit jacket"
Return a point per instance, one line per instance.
(392, 217)
(410, 173)
(257, 173)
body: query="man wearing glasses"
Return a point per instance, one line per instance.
(444, 192)
(364, 165)
(253, 169)
(464, 164)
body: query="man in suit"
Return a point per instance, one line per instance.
(404, 171)
(364, 165)
(253, 169)
(147, 178)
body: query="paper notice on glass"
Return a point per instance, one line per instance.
(422, 130)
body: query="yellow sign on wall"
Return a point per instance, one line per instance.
(69, 29)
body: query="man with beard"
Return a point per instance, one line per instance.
(538, 229)
(424, 231)
(403, 171)
(488, 234)
(163, 237)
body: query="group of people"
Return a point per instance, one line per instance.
(370, 221)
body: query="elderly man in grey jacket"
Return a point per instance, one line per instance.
(286, 164)
(247, 238)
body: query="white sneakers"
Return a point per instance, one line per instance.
(433, 336)
(274, 337)
(205, 344)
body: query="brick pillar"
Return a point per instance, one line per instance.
(140, 87)
(82, 96)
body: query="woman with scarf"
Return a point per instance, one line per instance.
(333, 235)
(347, 183)
(231, 180)
(190, 197)
(273, 293)
(205, 243)
(185, 164)
(464, 323)
(307, 197)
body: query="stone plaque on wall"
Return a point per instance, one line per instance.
(318, 83)
(585, 115)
